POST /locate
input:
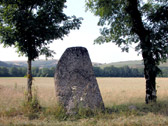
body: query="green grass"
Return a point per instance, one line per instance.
(119, 115)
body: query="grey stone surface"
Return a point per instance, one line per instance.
(75, 82)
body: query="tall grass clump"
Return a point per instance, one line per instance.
(57, 112)
(31, 108)
(11, 112)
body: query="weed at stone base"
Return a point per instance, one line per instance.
(85, 112)
(57, 112)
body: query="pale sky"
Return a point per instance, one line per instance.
(85, 36)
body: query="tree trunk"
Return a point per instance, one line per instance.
(29, 80)
(150, 72)
(150, 67)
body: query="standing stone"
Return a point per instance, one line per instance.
(75, 82)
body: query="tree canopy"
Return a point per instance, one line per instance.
(118, 25)
(31, 25)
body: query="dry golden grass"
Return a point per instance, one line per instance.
(115, 92)
(11, 92)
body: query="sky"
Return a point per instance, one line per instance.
(85, 36)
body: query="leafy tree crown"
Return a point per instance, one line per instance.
(118, 25)
(31, 25)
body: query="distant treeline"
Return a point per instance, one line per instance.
(21, 72)
(110, 71)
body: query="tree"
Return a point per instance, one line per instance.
(4, 72)
(134, 21)
(30, 25)
(14, 72)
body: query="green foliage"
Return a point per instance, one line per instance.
(4, 72)
(108, 71)
(127, 22)
(32, 25)
(115, 22)
(112, 71)
(12, 72)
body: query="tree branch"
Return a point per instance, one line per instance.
(136, 17)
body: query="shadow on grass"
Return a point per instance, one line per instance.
(140, 109)
(115, 111)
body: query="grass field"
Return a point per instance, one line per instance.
(123, 98)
